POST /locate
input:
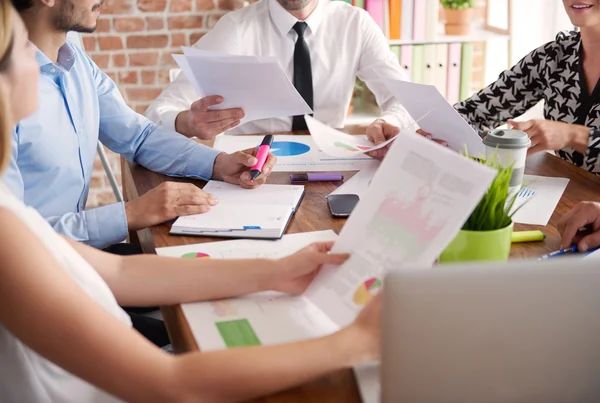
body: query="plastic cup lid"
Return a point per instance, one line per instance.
(507, 139)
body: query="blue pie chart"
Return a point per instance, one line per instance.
(288, 148)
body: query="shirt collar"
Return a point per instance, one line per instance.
(284, 21)
(66, 58)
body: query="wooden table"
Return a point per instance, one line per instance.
(313, 215)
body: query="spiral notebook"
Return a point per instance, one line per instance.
(263, 213)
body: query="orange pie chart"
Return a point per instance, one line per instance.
(366, 291)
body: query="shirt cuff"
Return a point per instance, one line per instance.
(593, 151)
(167, 119)
(201, 162)
(106, 225)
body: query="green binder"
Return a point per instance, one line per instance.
(417, 63)
(466, 71)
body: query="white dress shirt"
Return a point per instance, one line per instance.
(344, 43)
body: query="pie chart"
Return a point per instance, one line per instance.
(194, 255)
(288, 148)
(366, 291)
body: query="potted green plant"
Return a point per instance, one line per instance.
(459, 14)
(486, 235)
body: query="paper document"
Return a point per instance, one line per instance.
(258, 86)
(263, 212)
(338, 144)
(358, 184)
(417, 202)
(540, 195)
(298, 153)
(443, 122)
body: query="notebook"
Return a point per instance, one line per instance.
(262, 213)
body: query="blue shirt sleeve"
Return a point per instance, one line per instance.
(99, 227)
(139, 140)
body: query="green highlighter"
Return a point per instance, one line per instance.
(528, 236)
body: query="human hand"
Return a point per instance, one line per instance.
(576, 225)
(551, 135)
(165, 202)
(235, 168)
(296, 272)
(204, 123)
(430, 137)
(378, 132)
(367, 330)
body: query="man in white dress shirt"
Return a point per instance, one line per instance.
(340, 43)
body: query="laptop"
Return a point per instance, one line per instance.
(525, 332)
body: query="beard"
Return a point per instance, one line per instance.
(70, 17)
(294, 5)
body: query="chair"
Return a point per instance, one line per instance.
(75, 38)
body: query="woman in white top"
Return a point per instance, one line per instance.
(49, 288)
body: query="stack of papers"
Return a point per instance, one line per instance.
(243, 213)
(258, 85)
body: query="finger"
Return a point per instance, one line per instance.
(231, 126)
(572, 226)
(331, 258)
(190, 209)
(247, 183)
(535, 149)
(229, 115)
(524, 126)
(589, 242)
(375, 133)
(441, 142)
(424, 134)
(322, 247)
(203, 104)
(196, 199)
(245, 158)
(376, 154)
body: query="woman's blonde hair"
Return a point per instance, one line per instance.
(6, 46)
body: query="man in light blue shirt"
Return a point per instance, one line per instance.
(54, 150)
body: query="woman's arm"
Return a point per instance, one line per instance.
(148, 280)
(77, 332)
(515, 92)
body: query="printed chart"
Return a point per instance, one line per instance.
(194, 255)
(298, 153)
(366, 291)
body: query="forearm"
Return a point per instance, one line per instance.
(241, 374)
(168, 281)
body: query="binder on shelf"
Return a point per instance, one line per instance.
(418, 67)
(406, 59)
(432, 17)
(375, 8)
(359, 4)
(429, 64)
(454, 63)
(466, 71)
(396, 19)
(407, 20)
(440, 68)
(419, 20)
(396, 50)
(386, 18)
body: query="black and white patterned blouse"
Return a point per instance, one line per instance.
(554, 73)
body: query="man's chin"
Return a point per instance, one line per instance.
(82, 29)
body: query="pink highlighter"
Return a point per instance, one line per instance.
(261, 156)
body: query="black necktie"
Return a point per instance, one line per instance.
(302, 73)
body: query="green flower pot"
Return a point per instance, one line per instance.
(472, 246)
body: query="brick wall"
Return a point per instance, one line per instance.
(133, 44)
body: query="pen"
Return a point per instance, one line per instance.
(316, 177)
(571, 249)
(527, 236)
(261, 157)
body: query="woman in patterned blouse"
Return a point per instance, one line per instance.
(564, 73)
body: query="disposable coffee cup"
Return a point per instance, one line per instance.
(509, 147)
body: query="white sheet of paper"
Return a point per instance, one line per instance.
(595, 255)
(261, 88)
(358, 184)
(223, 217)
(270, 194)
(339, 144)
(367, 378)
(418, 200)
(443, 122)
(540, 207)
(297, 153)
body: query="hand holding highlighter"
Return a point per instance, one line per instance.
(261, 157)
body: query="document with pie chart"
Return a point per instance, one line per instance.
(300, 153)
